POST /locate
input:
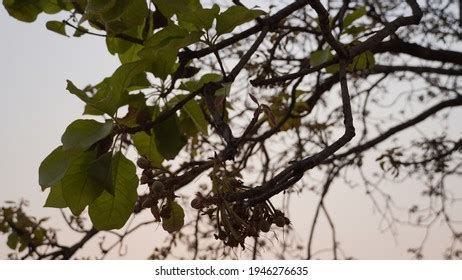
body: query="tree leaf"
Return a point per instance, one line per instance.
(13, 240)
(96, 102)
(79, 93)
(193, 110)
(57, 26)
(132, 17)
(162, 48)
(100, 171)
(146, 146)
(224, 90)
(165, 35)
(188, 127)
(354, 30)
(51, 6)
(168, 137)
(319, 57)
(28, 10)
(194, 85)
(90, 110)
(99, 6)
(370, 59)
(79, 188)
(55, 198)
(362, 61)
(356, 14)
(171, 7)
(112, 91)
(138, 113)
(131, 54)
(163, 62)
(23, 10)
(80, 31)
(116, 45)
(121, 80)
(116, 11)
(199, 19)
(54, 166)
(112, 211)
(176, 220)
(332, 69)
(82, 134)
(235, 16)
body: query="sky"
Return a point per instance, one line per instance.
(34, 65)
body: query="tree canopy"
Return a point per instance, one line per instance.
(267, 102)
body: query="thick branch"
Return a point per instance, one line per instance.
(292, 174)
(387, 69)
(421, 117)
(415, 50)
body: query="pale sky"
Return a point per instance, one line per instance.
(34, 65)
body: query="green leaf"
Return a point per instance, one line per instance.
(23, 10)
(78, 92)
(235, 16)
(80, 31)
(55, 198)
(99, 6)
(82, 134)
(171, 7)
(193, 85)
(176, 220)
(188, 126)
(54, 166)
(121, 80)
(165, 35)
(332, 69)
(131, 54)
(146, 146)
(23, 245)
(66, 4)
(128, 50)
(28, 10)
(168, 137)
(116, 11)
(362, 61)
(138, 113)
(100, 171)
(57, 26)
(96, 102)
(135, 13)
(356, 14)
(194, 111)
(225, 90)
(163, 62)
(319, 57)
(112, 91)
(116, 45)
(51, 6)
(354, 30)
(112, 211)
(13, 240)
(90, 110)
(370, 59)
(170, 37)
(162, 48)
(199, 19)
(79, 188)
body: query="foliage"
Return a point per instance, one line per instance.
(176, 101)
